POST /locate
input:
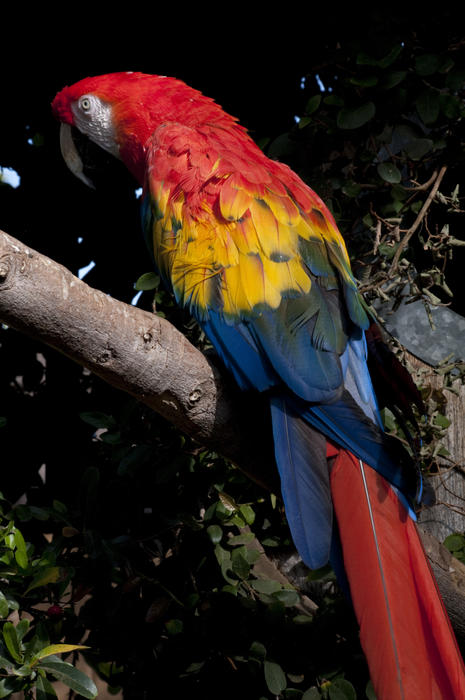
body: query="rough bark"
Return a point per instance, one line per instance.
(448, 514)
(134, 350)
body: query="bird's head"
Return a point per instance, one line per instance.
(119, 112)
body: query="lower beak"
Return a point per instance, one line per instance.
(71, 155)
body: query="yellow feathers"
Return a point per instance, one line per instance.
(238, 247)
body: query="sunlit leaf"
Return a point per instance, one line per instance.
(72, 677)
(57, 649)
(12, 642)
(248, 513)
(20, 551)
(50, 574)
(3, 605)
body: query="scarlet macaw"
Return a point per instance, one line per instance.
(257, 258)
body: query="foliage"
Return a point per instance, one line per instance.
(27, 658)
(146, 546)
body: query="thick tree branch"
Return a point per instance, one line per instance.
(131, 349)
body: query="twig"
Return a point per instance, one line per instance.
(419, 218)
(424, 186)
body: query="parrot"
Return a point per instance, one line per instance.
(256, 257)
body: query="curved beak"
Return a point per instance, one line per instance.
(71, 155)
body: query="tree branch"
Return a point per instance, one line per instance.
(133, 350)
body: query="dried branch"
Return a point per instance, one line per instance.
(133, 350)
(419, 219)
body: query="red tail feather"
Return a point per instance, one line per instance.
(404, 629)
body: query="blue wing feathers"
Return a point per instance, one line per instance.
(301, 457)
(316, 394)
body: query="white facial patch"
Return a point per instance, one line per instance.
(93, 117)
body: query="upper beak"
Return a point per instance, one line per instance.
(71, 155)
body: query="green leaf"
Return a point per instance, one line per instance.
(251, 554)
(44, 689)
(304, 122)
(2, 421)
(417, 148)
(368, 81)
(22, 628)
(351, 189)
(455, 79)
(174, 627)
(274, 677)
(287, 597)
(49, 574)
(215, 533)
(20, 552)
(148, 281)
(347, 689)
(428, 105)
(333, 101)
(98, 419)
(442, 421)
(57, 649)
(450, 106)
(257, 650)
(239, 564)
(59, 507)
(312, 104)
(335, 693)
(454, 543)
(370, 691)
(248, 513)
(389, 172)
(12, 642)
(223, 558)
(72, 677)
(5, 663)
(266, 586)
(355, 117)
(9, 686)
(427, 64)
(363, 59)
(312, 694)
(3, 605)
(393, 79)
(244, 538)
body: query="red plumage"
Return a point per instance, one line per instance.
(404, 628)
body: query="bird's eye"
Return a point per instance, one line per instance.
(85, 104)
